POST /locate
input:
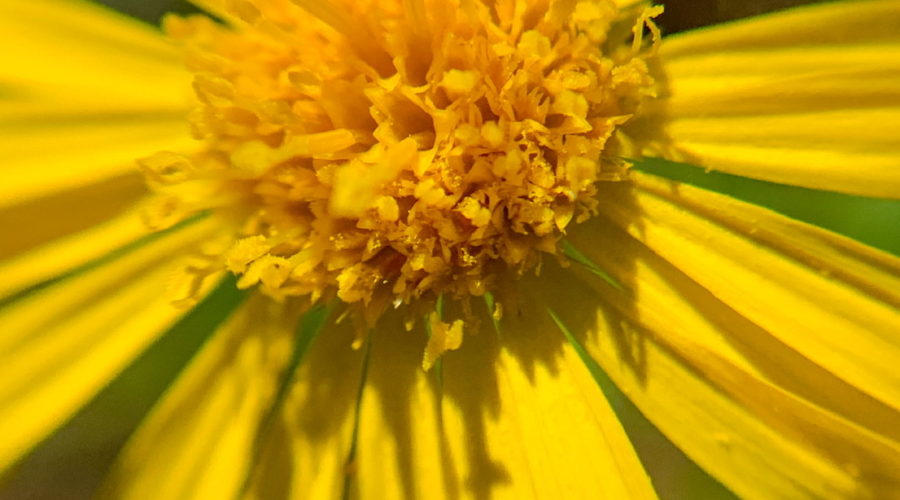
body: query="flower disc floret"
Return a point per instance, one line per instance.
(390, 151)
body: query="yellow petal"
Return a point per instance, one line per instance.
(43, 158)
(808, 97)
(199, 441)
(86, 91)
(44, 220)
(811, 289)
(78, 51)
(68, 253)
(775, 423)
(834, 22)
(517, 418)
(305, 456)
(402, 449)
(719, 400)
(664, 299)
(64, 343)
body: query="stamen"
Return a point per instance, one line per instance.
(389, 152)
(444, 337)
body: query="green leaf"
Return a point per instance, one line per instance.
(573, 253)
(346, 494)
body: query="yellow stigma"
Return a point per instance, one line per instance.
(390, 151)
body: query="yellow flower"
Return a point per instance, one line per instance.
(410, 240)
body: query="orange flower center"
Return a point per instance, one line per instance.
(389, 151)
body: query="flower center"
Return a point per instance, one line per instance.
(390, 151)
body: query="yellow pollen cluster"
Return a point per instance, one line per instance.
(389, 151)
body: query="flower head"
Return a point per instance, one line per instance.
(395, 152)
(385, 177)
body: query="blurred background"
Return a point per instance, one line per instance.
(71, 463)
